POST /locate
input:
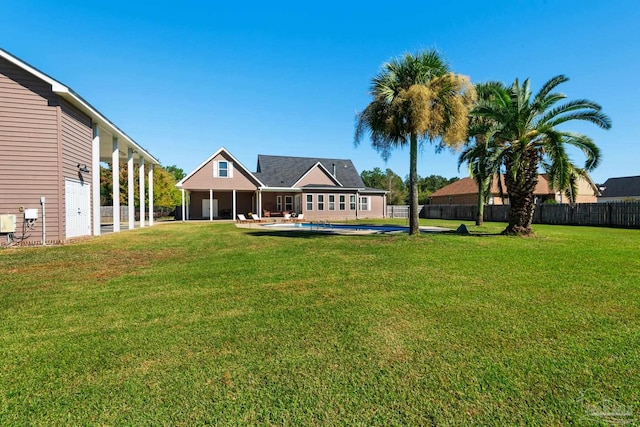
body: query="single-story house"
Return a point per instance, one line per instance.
(319, 189)
(52, 142)
(465, 192)
(623, 189)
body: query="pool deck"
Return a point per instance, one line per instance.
(327, 228)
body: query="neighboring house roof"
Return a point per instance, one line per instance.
(286, 171)
(77, 101)
(627, 186)
(469, 186)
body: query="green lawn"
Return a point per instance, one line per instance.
(200, 323)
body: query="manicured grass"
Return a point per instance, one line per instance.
(199, 323)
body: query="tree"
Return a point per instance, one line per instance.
(482, 158)
(415, 99)
(178, 173)
(387, 180)
(165, 192)
(524, 128)
(429, 184)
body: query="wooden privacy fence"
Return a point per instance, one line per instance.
(624, 215)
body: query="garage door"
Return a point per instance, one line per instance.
(78, 208)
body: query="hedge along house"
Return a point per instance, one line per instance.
(327, 189)
(51, 145)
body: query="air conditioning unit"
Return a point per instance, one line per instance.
(7, 223)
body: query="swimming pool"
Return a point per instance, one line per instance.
(349, 227)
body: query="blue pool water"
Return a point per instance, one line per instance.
(345, 227)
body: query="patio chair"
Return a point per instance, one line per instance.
(256, 218)
(287, 217)
(299, 218)
(242, 218)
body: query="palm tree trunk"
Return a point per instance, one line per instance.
(414, 226)
(480, 217)
(521, 195)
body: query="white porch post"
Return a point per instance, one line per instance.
(184, 210)
(95, 178)
(188, 205)
(115, 169)
(260, 202)
(131, 209)
(210, 205)
(150, 194)
(233, 214)
(141, 189)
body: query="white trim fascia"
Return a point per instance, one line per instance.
(280, 190)
(203, 164)
(77, 101)
(333, 178)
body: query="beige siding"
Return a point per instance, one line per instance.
(203, 178)
(29, 149)
(376, 207)
(316, 176)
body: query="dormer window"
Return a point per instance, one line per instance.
(222, 169)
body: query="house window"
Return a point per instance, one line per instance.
(288, 203)
(364, 203)
(279, 203)
(352, 202)
(320, 202)
(342, 202)
(332, 202)
(309, 202)
(222, 169)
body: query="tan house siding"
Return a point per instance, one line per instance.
(29, 149)
(204, 179)
(377, 209)
(316, 176)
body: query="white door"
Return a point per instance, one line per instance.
(215, 208)
(205, 208)
(77, 208)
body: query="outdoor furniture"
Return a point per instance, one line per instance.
(287, 217)
(299, 218)
(256, 218)
(242, 218)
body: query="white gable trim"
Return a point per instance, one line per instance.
(235, 161)
(318, 164)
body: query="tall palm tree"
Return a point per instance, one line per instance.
(482, 157)
(525, 127)
(415, 99)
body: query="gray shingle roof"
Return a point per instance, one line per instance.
(627, 186)
(284, 171)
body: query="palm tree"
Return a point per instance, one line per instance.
(483, 158)
(525, 128)
(415, 99)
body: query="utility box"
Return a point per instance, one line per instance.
(7, 223)
(31, 214)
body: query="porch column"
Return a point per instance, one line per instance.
(233, 203)
(260, 202)
(184, 207)
(95, 178)
(141, 189)
(115, 172)
(150, 179)
(188, 205)
(130, 196)
(210, 205)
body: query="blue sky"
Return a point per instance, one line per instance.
(287, 78)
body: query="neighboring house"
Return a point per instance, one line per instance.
(623, 189)
(221, 187)
(51, 144)
(465, 192)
